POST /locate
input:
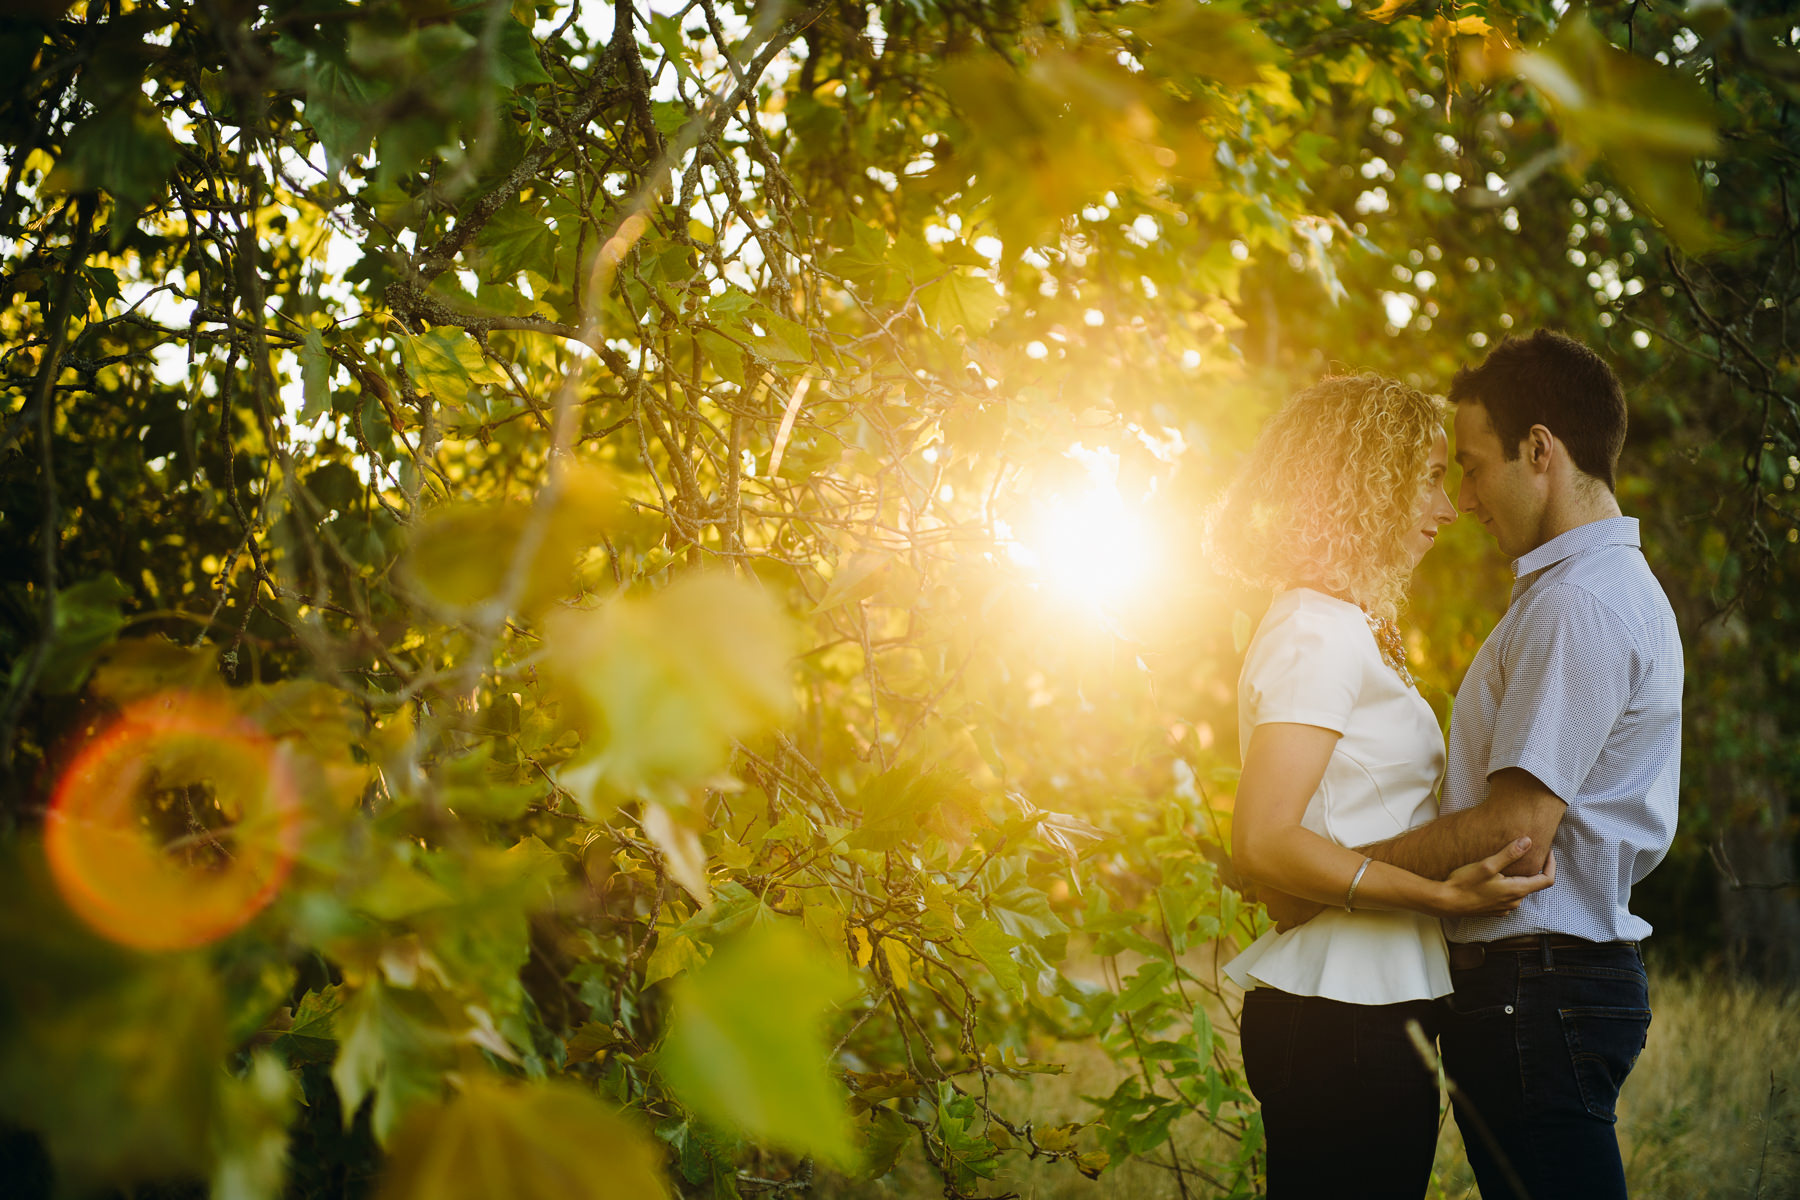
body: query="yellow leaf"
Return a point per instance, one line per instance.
(899, 961)
(683, 855)
(857, 579)
(825, 922)
(661, 685)
(1391, 10)
(861, 948)
(674, 954)
(465, 556)
(543, 1141)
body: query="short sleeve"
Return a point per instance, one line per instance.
(1305, 669)
(1568, 677)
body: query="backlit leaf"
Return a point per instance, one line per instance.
(663, 682)
(746, 1045)
(674, 954)
(447, 363)
(392, 1047)
(539, 1141)
(89, 615)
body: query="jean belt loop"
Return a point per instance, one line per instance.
(1549, 954)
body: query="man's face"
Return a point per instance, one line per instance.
(1505, 495)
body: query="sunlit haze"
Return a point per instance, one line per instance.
(1088, 544)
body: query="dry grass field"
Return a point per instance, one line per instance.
(1712, 1112)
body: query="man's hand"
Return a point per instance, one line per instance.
(1288, 912)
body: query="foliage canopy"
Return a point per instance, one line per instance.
(685, 516)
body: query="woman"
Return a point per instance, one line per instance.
(1341, 497)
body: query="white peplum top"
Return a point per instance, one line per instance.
(1314, 661)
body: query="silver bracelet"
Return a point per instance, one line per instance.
(1351, 894)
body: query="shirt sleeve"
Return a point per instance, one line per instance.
(1568, 677)
(1305, 669)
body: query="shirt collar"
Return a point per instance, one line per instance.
(1612, 531)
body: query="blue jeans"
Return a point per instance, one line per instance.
(1536, 1043)
(1349, 1106)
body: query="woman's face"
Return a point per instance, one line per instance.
(1433, 509)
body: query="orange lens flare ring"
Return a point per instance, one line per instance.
(141, 885)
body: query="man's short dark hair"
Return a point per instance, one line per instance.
(1550, 379)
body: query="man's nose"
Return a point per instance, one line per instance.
(1465, 496)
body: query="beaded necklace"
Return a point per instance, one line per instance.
(1393, 649)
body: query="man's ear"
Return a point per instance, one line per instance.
(1540, 447)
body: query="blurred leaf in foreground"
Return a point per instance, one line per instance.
(536, 1142)
(1649, 121)
(746, 1045)
(145, 1038)
(463, 556)
(667, 682)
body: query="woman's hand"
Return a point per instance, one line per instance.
(1480, 889)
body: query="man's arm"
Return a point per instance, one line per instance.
(1517, 804)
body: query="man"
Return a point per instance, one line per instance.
(1567, 728)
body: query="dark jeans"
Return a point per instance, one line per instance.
(1349, 1107)
(1536, 1043)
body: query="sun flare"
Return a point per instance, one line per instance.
(1088, 544)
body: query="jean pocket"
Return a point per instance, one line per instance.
(1604, 1044)
(1480, 994)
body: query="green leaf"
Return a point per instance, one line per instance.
(252, 1136)
(339, 100)
(961, 298)
(447, 363)
(1650, 122)
(120, 1077)
(746, 1045)
(1024, 911)
(515, 63)
(541, 1141)
(959, 1127)
(312, 1038)
(124, 149)
(315, 377)
(674, 954)
(1144, 987)
(393, 1048)
(725, 356)
(668, 117)
(786, 341)
(910, 801)
(882, 1141)
(89, 615)
(993, 946)
(518, 238)
(665, 31)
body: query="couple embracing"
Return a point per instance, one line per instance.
(1492, 911)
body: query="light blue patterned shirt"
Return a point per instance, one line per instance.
(1579, 684)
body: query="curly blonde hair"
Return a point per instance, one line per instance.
(1327, 495)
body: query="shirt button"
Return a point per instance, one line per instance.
(1509, 1009)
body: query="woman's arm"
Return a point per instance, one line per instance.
(1281, 772)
